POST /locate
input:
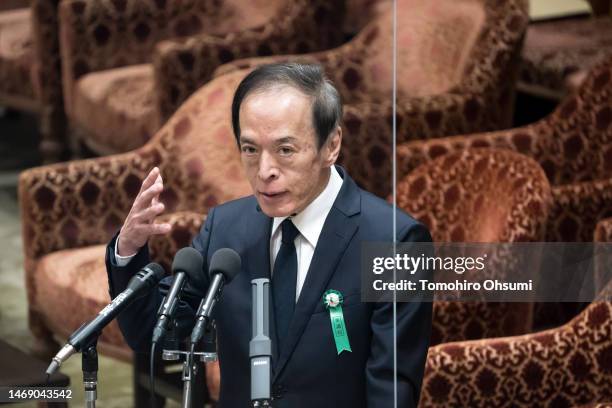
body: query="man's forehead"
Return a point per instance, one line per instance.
(275, 92)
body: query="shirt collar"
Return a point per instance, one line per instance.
(310, 221)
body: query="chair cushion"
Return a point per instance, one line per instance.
(71, 288)
(16, 53)
(114, 109)
(557, 54)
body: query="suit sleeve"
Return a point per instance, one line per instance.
(413, 332)
(136, 322)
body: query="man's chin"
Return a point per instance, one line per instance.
(275, 211)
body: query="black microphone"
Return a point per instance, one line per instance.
(225, 264)
(138, 286)
(186, 261)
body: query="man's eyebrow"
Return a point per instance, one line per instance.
(286, 139)
(246, 139)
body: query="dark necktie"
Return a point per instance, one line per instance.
(284, 280)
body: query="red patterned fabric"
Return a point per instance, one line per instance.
(478, 195)
(457, 64)
(186, 40)
(567, 366)
(16, 56)
(558, 54)
(573, 145)
(79, 204)
(30, 76)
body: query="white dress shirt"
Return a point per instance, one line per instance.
(309, 223)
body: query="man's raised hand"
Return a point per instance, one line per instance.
(140, 224)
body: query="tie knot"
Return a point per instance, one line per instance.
(289, 231)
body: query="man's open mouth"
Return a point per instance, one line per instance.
(272, 194)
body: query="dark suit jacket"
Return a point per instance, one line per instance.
(308, 372)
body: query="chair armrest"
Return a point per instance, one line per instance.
(78, 203)
(185, 225)
(525, 370)
(576, 210)
(183, 65)
(97, 34)
(412, 154)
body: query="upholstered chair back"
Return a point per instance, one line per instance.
(478, 195)
(568, 366)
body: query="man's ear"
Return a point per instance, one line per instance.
(332, 146)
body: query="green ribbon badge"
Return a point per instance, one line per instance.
(332, 299)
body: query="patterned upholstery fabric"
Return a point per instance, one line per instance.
(301, 26)
(567, 366)
(72, 291)
(478, 195)
(30, 76)
(118, 107)
(573, 145)
(103, 35)
(74, 281)
(48, 78)
(458, 197)
(78, 204)
(558, 54)
(360, 12)
(457, 64)
(16, 54)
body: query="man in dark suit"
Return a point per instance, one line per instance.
(303, 228)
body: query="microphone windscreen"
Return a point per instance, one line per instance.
(188, 260)
(157, 269)
(225, 261)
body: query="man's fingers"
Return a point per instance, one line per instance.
(157, 229)
(145, 199)
(149, 180)
(147, 215)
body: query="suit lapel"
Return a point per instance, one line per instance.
(338, 230)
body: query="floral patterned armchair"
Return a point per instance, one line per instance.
(70, 210)
(478, 195)
(573, 145)
(129, 65)
(30, 70)
(570, 365)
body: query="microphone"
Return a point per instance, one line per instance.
(186, 261)
(260, 347)
(225, 264)
(137, 287)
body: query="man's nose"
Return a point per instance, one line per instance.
(268, 168)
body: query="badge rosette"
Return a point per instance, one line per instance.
(332, 299)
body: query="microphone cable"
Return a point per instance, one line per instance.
(152, 375)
